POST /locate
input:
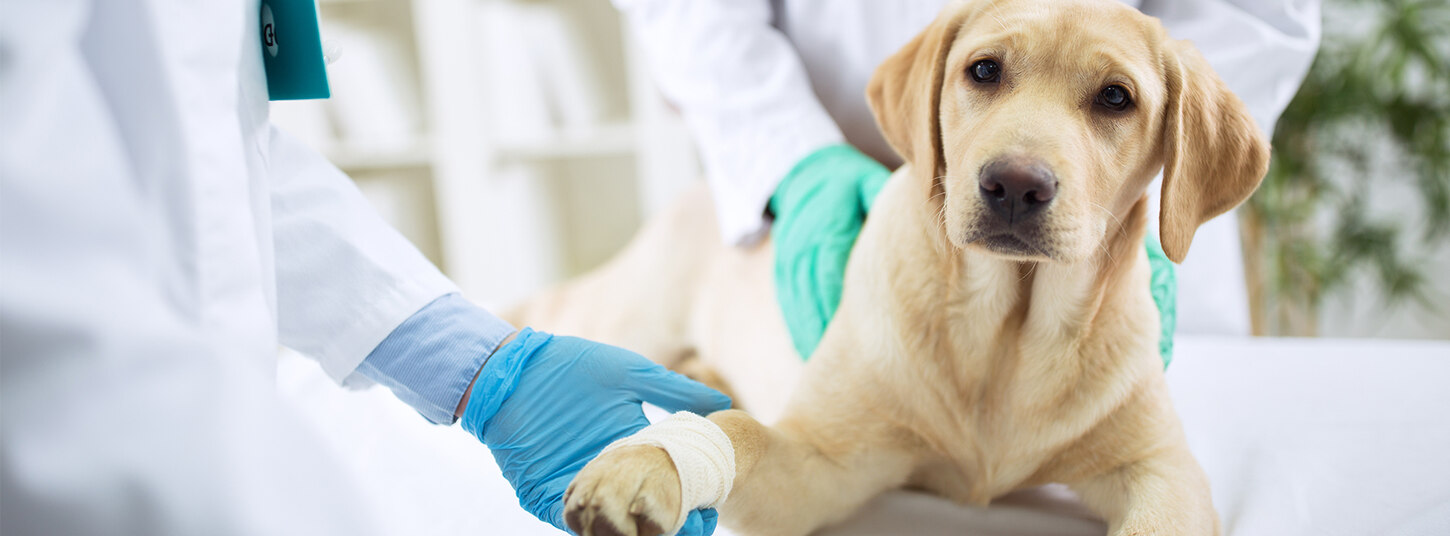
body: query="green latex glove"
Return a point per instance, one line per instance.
(819, 209)
(1164, 286)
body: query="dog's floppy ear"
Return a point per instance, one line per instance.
(1215, 155)
(905, 92)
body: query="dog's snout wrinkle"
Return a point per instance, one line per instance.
(1017, 188)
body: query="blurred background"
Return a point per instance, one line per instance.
(519, 142)
(515, 142)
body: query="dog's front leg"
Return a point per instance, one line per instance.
(1166, 493)
(805, 472)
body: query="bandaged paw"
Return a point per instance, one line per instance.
(702, 454)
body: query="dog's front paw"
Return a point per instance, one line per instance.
(629, 491)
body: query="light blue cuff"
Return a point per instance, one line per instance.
(430, 359)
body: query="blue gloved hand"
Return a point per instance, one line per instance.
(547, 405)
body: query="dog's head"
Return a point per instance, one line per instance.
(1041, 122)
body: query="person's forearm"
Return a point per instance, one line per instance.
(345, 279)
(1260, 48)
(743, 91)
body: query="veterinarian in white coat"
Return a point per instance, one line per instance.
(159, 240)
(773, 91)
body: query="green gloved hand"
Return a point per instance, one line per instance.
(1164, 286)
(819, 209)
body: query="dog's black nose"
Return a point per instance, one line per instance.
(1017, 188)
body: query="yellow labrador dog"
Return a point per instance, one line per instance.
(996, 330)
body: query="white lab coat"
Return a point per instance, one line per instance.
(763, 83)
(160, 240)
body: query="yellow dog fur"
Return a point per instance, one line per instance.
(949, 366)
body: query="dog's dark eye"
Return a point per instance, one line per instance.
(1114, 97)
(985, 71)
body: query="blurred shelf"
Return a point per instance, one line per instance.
(361, 158)
(611, 139)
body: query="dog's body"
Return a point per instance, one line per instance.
(987, 339)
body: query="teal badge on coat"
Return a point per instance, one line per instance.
(292, 51)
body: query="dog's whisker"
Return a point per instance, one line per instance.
(1030, 271)
(1109, 213)
(999, 21)
(1102, 245)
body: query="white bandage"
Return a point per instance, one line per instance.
(703, 457)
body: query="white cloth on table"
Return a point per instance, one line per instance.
(1298, 436)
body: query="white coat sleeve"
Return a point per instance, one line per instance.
(742, 90)
(345, 278)
(1261, 49)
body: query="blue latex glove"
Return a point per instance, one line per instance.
(547, 405)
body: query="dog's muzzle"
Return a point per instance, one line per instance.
(1017, 190)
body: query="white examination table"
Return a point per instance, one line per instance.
(1299, 436)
